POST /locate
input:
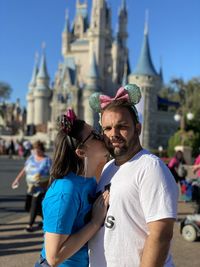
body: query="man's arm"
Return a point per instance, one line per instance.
(157, 243)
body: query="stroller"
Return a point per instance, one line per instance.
(190, 226)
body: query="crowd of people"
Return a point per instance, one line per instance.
(103, 198)
(12, 148)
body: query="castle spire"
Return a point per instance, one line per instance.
(145, 65)
(67, 26)
(122, 24)
(34, 73)
(123, 6)
(43, 74)
(146, 26)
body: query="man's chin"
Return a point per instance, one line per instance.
(117, 152)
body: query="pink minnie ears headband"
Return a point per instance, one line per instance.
(130, 93)
(66, 120)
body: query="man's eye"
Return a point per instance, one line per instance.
(106, 129)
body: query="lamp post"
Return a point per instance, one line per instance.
(181, 117)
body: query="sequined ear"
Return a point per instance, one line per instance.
(134, 93)
(94, 102)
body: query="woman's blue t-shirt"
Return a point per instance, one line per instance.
(66, 209)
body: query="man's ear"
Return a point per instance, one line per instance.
(80, 153)
(138, 128)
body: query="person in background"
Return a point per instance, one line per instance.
(27, 146)
(176, 166)
(196, 166)
(143, 198)
(11, 149)
(79, 153)
(196, 184)
(37, 172)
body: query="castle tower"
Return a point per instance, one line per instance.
(101, 40)
(146, 77)
(42, 95)
(90, 88)
(119, 48)
(81, 20)
(29, 97)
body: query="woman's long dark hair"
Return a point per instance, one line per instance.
(65, 159)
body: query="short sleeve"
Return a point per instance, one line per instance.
(29, 159)
(49, 162)
(60, 212)
(158, 193)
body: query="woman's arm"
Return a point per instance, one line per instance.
(60, 247)
(19, 176)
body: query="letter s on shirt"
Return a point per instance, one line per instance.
(110, 222)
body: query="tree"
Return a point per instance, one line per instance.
(5, 91)
(188, 95)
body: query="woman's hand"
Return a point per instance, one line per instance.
(15, 184)
(100, 208)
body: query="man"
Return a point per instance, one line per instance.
(143, 196)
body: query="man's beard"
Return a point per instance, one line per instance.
(118, 151)
(128, 147)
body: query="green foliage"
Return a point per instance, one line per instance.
(5, 91)
(188, 95)
(189, 138)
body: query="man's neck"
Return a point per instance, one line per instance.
(121, 160)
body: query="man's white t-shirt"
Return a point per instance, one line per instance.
(142, 190)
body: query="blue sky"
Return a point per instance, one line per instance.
(174, 35)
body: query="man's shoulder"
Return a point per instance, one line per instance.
(146, 156)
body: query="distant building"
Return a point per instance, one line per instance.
(94, 60)
(12, 118)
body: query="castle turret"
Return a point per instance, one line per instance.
(146, 76)
(42, 94)
(29, 97)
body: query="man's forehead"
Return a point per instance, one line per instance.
(115, 116)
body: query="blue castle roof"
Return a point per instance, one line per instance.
(145, 65)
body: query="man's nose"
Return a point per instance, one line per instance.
(114, 132)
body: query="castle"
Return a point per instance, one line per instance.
(94, 60)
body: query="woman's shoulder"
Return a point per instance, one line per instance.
(66, 185)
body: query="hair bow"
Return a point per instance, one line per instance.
(121, 94)
(130, 93)
(66, 120)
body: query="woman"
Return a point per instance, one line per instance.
(196, 166)
(176, 166)
(68, 224)
(37, 172)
